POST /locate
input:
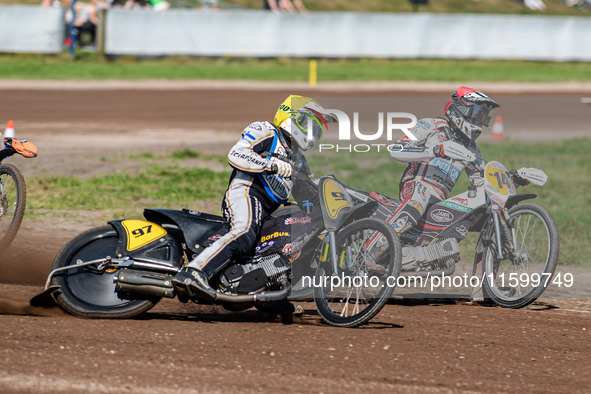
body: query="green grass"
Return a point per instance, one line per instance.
(173, 184)
(90, 67)
(176, 184)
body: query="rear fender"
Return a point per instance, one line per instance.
(196, 229)
(144, 239)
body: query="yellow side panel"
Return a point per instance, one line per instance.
(334, 198)
(141, 233)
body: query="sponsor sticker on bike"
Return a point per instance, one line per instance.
(441, 216)
(455, 206)
(276, 234)
(302, 220)
(416, 205)
(460, 200)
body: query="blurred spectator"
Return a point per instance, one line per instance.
(135, 4)
(536, 5)
(51, 3)
(155, 5)
(159, 5)
(271, 5)
(416, 3)
(85, 20)
(286, 6)
(578, 3)
(210, 4)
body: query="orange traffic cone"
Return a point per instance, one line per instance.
(498, 129)
(9, 132)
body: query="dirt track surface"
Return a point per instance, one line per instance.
(176, 347)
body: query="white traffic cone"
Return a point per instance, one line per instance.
(9, 132)
(498, 129)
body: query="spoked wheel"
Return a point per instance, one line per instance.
(369, 257)
(522, 276)
(88, 292)
(12, 203)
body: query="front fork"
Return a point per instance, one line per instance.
(509, 231)
(333, 251)
(330, 247)
(501, 222)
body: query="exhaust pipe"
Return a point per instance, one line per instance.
(160, 285)
(145, 282)
(266, 296)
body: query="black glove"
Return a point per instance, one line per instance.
(519, 181)
(438, 151)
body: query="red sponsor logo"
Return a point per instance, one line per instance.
(460, 200)
(407, 191)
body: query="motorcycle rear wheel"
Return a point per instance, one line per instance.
(371, 272)
(512, 282)
(86, 292)
(12, 203)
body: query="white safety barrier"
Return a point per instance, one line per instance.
(35, 29)
(31, 29)
(345, 34)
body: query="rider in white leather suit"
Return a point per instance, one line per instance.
(260, 183)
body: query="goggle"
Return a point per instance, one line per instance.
(310, 122)
(478, 114)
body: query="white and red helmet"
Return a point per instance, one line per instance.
(469, 111)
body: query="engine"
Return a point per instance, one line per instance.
(262, 273)
(439, 255)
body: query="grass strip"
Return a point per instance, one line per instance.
(90, 67)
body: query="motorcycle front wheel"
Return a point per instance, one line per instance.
(520, 278)
(369, 260)
(12, 203)
(90, 293)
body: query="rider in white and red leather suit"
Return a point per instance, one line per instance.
(431, 175)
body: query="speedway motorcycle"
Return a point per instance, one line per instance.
(12, 189)
(123, 269)
(517, 249)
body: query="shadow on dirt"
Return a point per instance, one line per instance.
(308, 318)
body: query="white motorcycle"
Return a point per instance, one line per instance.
(517, 250)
